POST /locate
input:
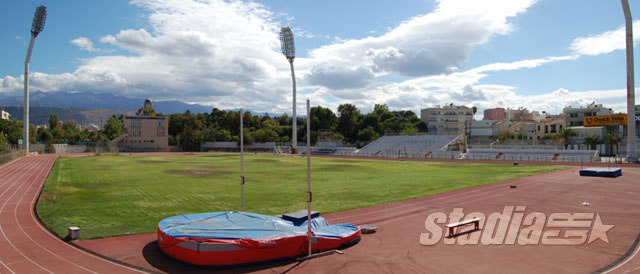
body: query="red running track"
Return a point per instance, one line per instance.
(26, 246)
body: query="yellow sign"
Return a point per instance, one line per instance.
(605, 120)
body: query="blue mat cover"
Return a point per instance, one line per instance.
(243, 225)
(601, 172)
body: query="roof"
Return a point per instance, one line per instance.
(146, 117)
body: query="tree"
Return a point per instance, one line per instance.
(190, 137)
(592, 141)
(264, 135)
(503, 137)
(53, 120)
(113, 128)
(58, 135)
(4, 143)
(323, 118)
(381, 113)
(520, 135)
(348, 121)
(409, 131)
(44, 135)
(367, 135)
(223, 135)
(612, 140)
(566, 134)
(393, 125)
(12, 130)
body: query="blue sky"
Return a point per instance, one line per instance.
(543, 55)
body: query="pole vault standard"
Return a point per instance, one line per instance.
(241, 162)
(38, 25)
(309, 197)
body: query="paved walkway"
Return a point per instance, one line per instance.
(25, 245)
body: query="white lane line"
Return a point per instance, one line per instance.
(625, 261)
(47, 232)
(5, 235)
(15, 215)
(480, 189)
(457, 196)
(1, 262)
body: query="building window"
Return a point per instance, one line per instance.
(161, 128)
(136, 127)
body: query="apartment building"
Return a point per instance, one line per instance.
(447, 120)
(575, 116)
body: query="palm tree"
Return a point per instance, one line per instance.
(566, 134)
(592, 141)
(612, 140)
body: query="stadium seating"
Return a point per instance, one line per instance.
(428, 146)
(533, 155)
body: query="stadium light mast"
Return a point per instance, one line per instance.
(36, 28)
(632, 154)
(289, 51)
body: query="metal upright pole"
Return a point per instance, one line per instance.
(632, 154)
(36, 27)
(289, 51)
(309, 198)
(294, 134)
(241, 161)
(25, 120)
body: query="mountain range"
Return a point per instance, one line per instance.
(85, 107)
(99, 101)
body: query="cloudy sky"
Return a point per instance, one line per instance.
(411, 54)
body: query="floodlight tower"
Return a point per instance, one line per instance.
(38, 25)
(632, 154)
(289, 51)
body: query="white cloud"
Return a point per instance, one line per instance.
(603, 43)
(431, 44)
(215, 51)
(228, 54)
(84, 44)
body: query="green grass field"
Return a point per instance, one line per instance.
(117, 194)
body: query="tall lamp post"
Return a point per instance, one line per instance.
(632, 154)
(38, 25)
(289, 51)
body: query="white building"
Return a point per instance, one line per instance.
(575, 116)
(447, 120)
(4, 115)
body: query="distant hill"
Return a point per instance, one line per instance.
(98, 101)
(82, 116)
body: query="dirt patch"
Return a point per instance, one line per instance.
(265, 161)
(338, 167)
(153, 161)
(195, 172)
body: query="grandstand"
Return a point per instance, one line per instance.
(427, 146)
(533, 155)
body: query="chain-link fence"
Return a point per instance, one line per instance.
(497, 156)
(8, 156)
